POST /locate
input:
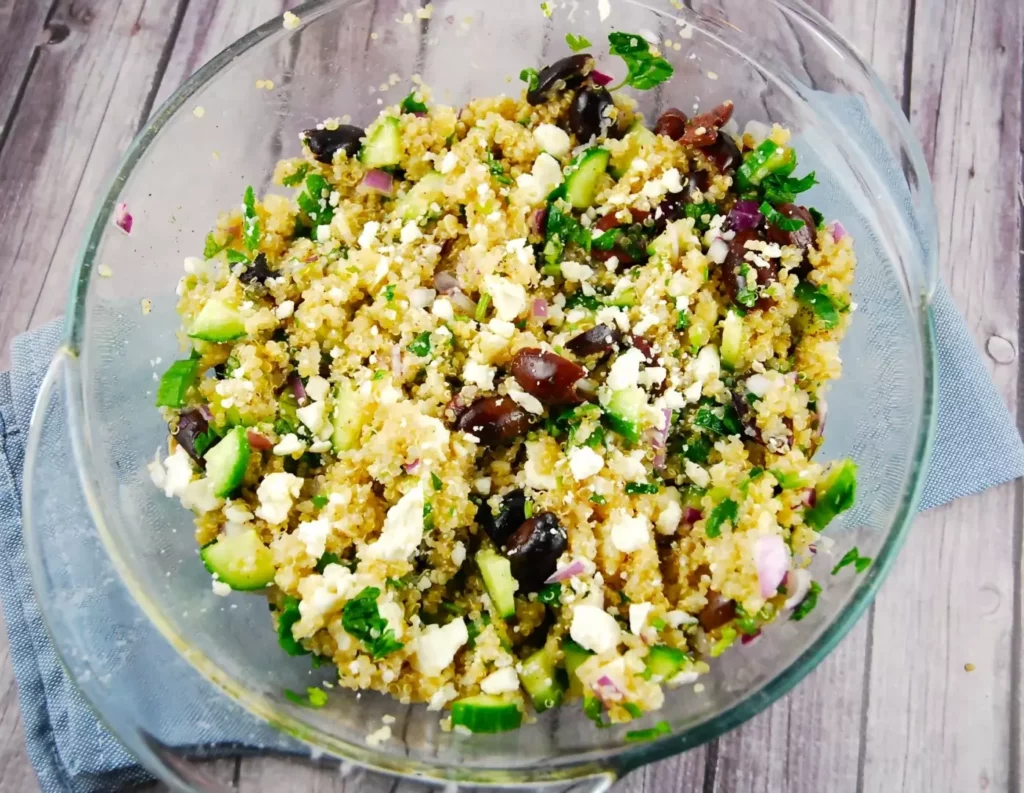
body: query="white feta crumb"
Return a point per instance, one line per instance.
(105, 271)
(604, 9)
(435, 649)
(507, 297)
(584, 462)
(410, 233)
(554, 140)
(369, 234)
(638, 614)
(288, 445)
(321, 446)
(625, 371)
(403, 529)
(421, 297)
(313, 534)
(758, 385)
(442, 309)
(629, 533)
(672, 181)
(482, 485)
(312, 415)
(323, 233)
(276, 494)
(652, 376)
(220, 588)
(698, 475)
(478, 374)
(285, 310)
(678, 618)
(448, 163)
(317, 388)
(528, 402)
(503, 328)
(594, 629)
(574, 271)
(459, 554)
(707, 364)
(502, 681)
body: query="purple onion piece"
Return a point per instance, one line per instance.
(745, 215)
(378, 181)
(295, 384)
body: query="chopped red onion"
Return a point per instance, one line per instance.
(771, 557)
(295, 383)
(601, 78)
(420, 114)
(798, 584)
(745, 215)
(413, 467)
(691, 515)
(810, 497)
(445, 282)
(751, 638)
(574, 567)
(837, 229)
(658, 437)
(607, 689)
(377, 181)
(538, 220)
(819, 430)
(123, 218)
(464, 305)
(540, 307)
(258, 441)
(205, 412)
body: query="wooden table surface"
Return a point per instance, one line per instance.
(893, 708)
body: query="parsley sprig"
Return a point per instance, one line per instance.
(645, 69)
(250, 221)
(852, 556)
(577, 43)
(361, 618)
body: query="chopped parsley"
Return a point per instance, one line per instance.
(697, 212)
(296, 176)
(313, 202)
(205, 440)
(697, 449)
(250, 220)
(328, 558)
(641, 488)
(481, 308)
(389, 292)
(497, 171)
(413, 105)
(551, 594)
(727, 510)
(788, 481)
(577, 43)
(361, 619)
(594, 710)
(719, 419)
(597, 498)
(808, 603)
(319, 501)
(579, 300)
(645, 69)
(211, 248)
(380, 374)
(531, 78)
(682, 320)
(287, 616)
(633, 709)
(817, 299)
(852, 556)
(658, 624)
(817, 217)
(779, 189)
(420, 346)
(236, 257)
(428, 516)
(315, 697)
(780, 221)
(435, 480)
(746, 296)
(650, 734)
(401, 583)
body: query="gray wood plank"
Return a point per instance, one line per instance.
(950, 600)
(21, 34)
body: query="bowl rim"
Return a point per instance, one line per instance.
(627, 756)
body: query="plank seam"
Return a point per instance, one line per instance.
(710, 767)
(161, 64)
(908, 58)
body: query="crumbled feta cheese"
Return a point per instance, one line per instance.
(478, 374)
(758, 385)
(507, 297)
(574, 271)
(545, 176)
(677, 618)
(276, 493)
(410, 233)
(317, 388)
(671, 512)
(483, 485)
(323, 233)
(651, 376)
(319, 447)
(536, 478)
(502, 328)
(403, 529)
(178, 473)
(604, 9)
(442, 309)
(699, 476)
(625, 371)
(369, 234)
(421, 297)
(448, 162)
(584, 462)
(377, 737)
(630, 466)
(522, 250)
(220, 588)
(629, 533)
(528, 402)
(199, 496)
(442, 697)
(638, 614)
(285, 310)
(693, 391)
(288, 445)
(394, 614)
(459, 554)
(610, 315)
(502, 681)
(670, 179)
(436, 647)
(313, 534)
(594, 629)
(554, 140)
(312, 415)
(236, 512)
(707, 365)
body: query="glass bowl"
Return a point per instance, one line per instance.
(176, 672)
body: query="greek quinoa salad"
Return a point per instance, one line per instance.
(517, 404)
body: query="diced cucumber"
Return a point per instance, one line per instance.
(624, 412)
(574, 657)
(176, 382)
(624, 299)
(501, 586)
(585, 171)
(664, 662)
(769, 157)
(416, 203)
(349, 417)
(486, 713)
(241, 561)
(732, 340)
(539, 678)
(226, 462)
(638, 137)
(383, 147)
(835, 493)
(218, 322)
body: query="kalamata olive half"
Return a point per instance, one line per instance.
(717, 612)
(803, 237)
(533, 550)
(560, 75)
(510, 517)
(671, 123)
(493, 420)
(325, 142)
(733, 279)
(747, 416)
(588, 113)
(599, 339)
(257, 272)
(724, 153)
(191, 424)
(645, 348)
(702, 130)
(549, 377)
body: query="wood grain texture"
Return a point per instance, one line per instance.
(892, 709)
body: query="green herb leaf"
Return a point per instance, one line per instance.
(296, 176)
(413, 105)
(633, 709)
(808, 603)
(641, 488)
(789, 481)
(402, 583)
(696, 212)
(250, 221)
(421, 345)
(577, 43)
(175, 383)
(606, 240)
(361, 619)
(551, 594)
(428, 516)
(597, 498)
(651, 733)
(313, 200)
(435, 480)
(315, 697)
(528, 508)
(481, 307)
(389, 292)
(818, 300)
(658, 624)
(747, 296)
(328, 558)
(496, 169)
(594, 710)
(236, 257)
(719, 419)
(531, 78)
(697, 449)
(645, 70)
(211, 248)
(380, 374)
(853, 557)
(205, 440)
(319, 501)
(287, 616)
(682, 320)
(780, 189)
(727, 510)
(817, 217)
(780, 221)
(579, 300)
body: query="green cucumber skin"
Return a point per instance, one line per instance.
(581, 184)
(227, 461)
(497, 574)
(218, 558)
(486, 714)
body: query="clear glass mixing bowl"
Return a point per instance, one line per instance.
(125, 597)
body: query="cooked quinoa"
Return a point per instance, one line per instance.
(516, 404)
